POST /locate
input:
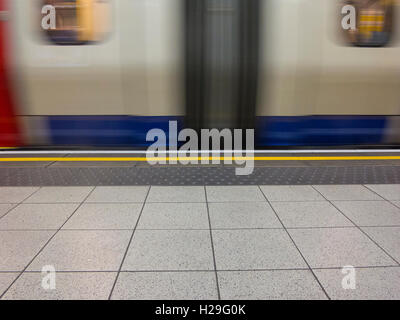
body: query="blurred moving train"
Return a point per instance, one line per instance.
(114, 69)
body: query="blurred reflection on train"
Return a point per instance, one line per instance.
(113, 69)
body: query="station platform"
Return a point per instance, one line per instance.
(128, 230)
(278, 168)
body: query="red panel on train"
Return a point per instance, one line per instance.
(9, 135)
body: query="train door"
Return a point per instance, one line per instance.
(222, 58)
(8, 124)
(151, 55)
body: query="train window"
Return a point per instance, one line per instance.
(374, 23)
(77, 22)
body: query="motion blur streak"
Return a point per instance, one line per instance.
(112, 70)
(9, 136)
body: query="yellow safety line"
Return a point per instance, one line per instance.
(143, 159)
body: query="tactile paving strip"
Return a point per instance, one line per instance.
(198, 176)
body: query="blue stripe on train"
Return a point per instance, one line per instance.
(271, 131)
(320, 130)
(106, 130)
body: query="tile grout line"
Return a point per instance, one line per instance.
(181, 202)
(358, 227)
(47, 242)
(212, 245)
(206, 229)
(208, 270)
(21, 202)
(37, 190)
(13, 206)
(129, 243)
(387, 200)
(373, 191)
(294, 243)
(340, 211)
(392, 202)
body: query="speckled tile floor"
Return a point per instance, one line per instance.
(200, 242)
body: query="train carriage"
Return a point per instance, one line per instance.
(111, 70)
